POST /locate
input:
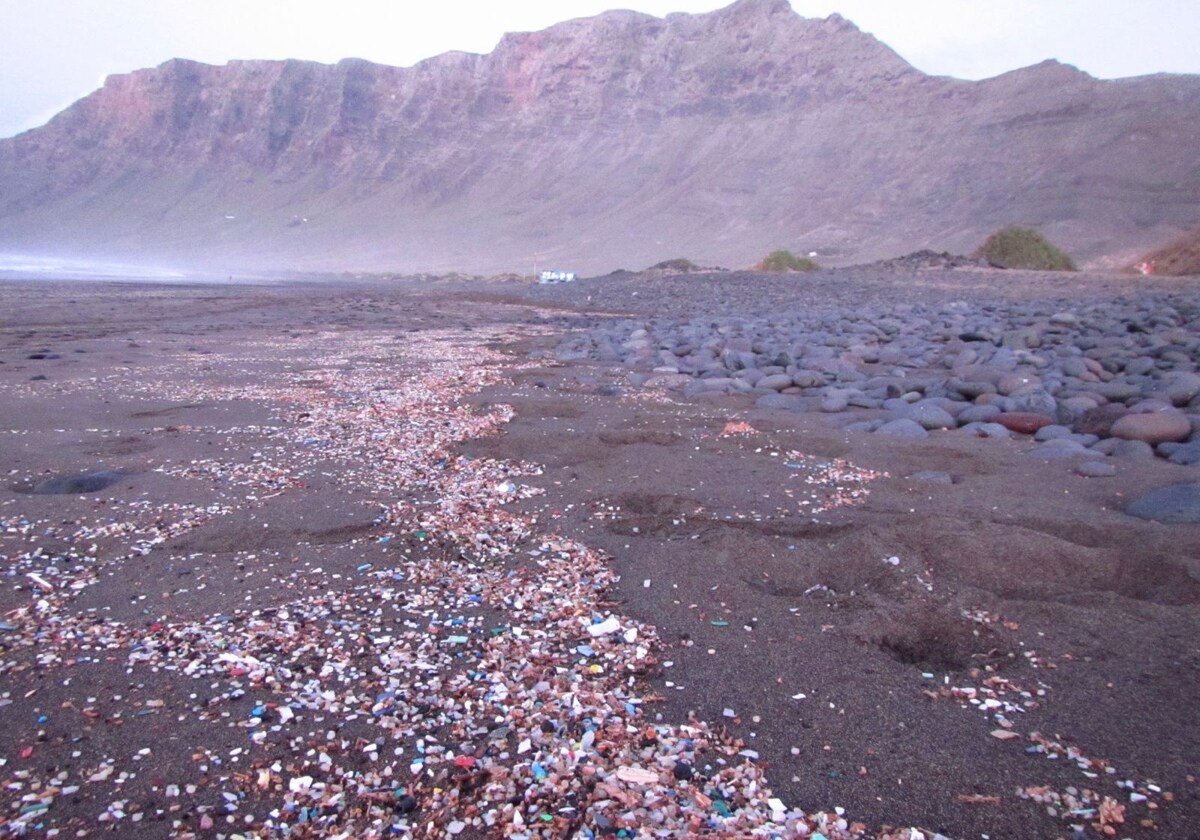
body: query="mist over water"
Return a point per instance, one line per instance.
(36, 266)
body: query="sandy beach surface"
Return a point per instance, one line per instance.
(356, 558)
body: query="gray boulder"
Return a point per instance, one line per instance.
(1176, 503)
(903, 427)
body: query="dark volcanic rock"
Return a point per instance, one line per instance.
(926, 259)
(1099, 420)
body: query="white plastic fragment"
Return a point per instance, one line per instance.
(40, 581)
(609, 625)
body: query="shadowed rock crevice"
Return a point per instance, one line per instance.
(75, 484)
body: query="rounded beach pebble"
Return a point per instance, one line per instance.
(1095, 469)
(1175, 503)
(903, 428)
(1156, 427)
(1023, 422)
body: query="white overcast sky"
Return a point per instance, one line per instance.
(53, 52)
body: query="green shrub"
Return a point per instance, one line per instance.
(1018, 247)
(785, 261)
(677, 264)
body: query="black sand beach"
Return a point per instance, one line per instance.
(365, 559)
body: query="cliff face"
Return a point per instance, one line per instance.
(612, 141)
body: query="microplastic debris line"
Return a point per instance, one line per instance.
(512, 733)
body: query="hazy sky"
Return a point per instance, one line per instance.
(53, 52)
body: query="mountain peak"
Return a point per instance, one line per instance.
(836, 21)
(763, 8)
(1049, 71)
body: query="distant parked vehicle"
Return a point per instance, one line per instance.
(556, 277)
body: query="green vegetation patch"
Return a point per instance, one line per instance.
(1018, 247)
(785, 261)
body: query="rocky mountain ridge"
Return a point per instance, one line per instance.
(617, 140)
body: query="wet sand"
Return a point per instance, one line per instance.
(329, 498)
